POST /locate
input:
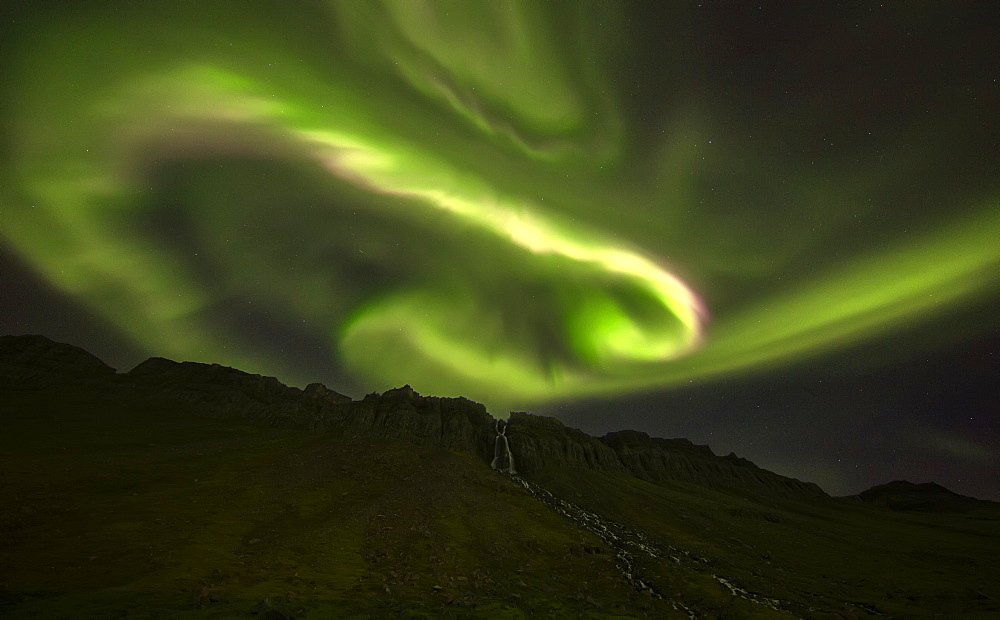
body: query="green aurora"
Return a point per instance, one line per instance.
(467, 197)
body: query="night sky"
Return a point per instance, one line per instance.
(768, 227)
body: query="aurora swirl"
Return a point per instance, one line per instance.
(455, 195)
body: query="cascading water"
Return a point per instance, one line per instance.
(503, 460)
(621, 539)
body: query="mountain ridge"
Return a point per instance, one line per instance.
(36, 362)
(200, 488)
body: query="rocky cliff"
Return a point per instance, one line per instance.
(538, 442)
(658, 460)
(220, 391)
(34, 362)
(543, 442)
(454, 423)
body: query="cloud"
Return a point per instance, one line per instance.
(961, 448)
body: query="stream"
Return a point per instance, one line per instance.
(623, 540)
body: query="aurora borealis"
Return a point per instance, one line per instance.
(524, 203)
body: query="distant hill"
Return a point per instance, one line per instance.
(923, 497)
(35, 362)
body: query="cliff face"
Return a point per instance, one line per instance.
(538, 442)
(210, 389)
(658, 460)
(220, 391)
(34, 362)
(454, 423)
(542, 442)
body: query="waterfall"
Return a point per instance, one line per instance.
(622, 539)
(503, 460)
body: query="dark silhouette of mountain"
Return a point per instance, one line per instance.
(453, 423)
(923, 497)
(220, 391)
(35, 362)
(179, 487)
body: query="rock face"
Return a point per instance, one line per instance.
(454, 423)
(37, 363)
(538, 442)
(658, 460)
(221, 391)
(210, 389)
(34, 362)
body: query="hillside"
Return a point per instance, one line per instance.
(195, 490)
(923, 497)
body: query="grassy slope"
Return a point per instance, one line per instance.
(137, 510)
(822, 555)
(118, 509)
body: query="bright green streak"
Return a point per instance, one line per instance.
(464, 122)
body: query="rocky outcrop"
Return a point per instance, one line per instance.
(658, 460)
(454, 423)
(37, 363)
(221, 391)
(538, 441)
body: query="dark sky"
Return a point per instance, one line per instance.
(768, 227)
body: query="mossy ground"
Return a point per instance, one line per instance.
(826, 557)
(110, 508)
(114, 508)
